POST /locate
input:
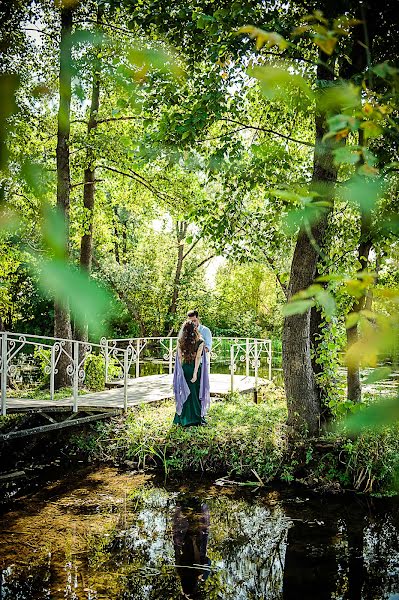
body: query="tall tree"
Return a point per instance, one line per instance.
(86, 244)
(62, 318)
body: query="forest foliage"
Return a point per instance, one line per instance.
(236, 159)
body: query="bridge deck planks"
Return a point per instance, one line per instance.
(151, 388)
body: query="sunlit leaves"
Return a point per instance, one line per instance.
(324, 37)
(269, 39)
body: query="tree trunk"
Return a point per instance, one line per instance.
(62, 320)
(86, 244)
(181, 230)
(299, 379)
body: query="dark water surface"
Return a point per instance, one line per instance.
(100, 534)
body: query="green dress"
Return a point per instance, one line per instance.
(191, 413)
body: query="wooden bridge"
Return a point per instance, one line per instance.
(120, 358)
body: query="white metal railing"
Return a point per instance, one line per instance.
(52, 350)
(121, 354)
(246, 350)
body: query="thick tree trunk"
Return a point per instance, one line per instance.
(299, 379)
(62, 320)
(86, 244)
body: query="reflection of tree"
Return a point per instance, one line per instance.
(381, 555)
(310, 561)
(190, 539)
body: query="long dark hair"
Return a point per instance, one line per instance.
(188, 338)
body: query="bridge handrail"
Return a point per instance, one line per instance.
(247, 345)
(75, 351)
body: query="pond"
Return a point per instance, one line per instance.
(102, 534)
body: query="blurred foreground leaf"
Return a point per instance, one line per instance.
(383, 412)
(279, 82)
(89, 303)
(378, 375)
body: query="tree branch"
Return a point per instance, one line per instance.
(141, 180)
(191, 247)
(266, 130)
(201, 264)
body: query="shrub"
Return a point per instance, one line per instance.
(95, 372)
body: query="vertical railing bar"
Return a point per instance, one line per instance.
(170, 356)
(106, 361)
(125, 373)
(247, 357)
(270, 360)
(4, 368)
(256, 365)
(52, 372)
(75, 375)
(138, 357)
(232, 368)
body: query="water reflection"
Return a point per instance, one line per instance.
(112, 536)
(190, 539)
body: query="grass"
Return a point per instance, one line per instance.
(246, 441)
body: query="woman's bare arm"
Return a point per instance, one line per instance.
(197, 362)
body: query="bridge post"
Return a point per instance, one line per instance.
(270, 360)
(138, 357)
(52, 371)
(247, 357)
(232, 368)
(75, 375)
(4, 367)
(256, 365)
(170, 356)
(106, 361)
(125, 370)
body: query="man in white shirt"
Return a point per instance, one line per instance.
(204, 331)
(206, 336)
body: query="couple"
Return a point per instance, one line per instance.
(191, 376)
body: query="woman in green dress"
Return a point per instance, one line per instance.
(190, 347)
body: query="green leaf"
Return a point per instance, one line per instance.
(298, 307)
(363, 191)
(54, 232)
(348, 155)
(276, 82)
(381, 413)
(378, 374)
(327, 301)
(89, 303)
(352, 319)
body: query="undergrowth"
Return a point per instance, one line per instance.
(247, 441)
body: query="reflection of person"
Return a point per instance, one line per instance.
(190, 540)
(191, 379)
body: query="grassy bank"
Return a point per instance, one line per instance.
(247, 442)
